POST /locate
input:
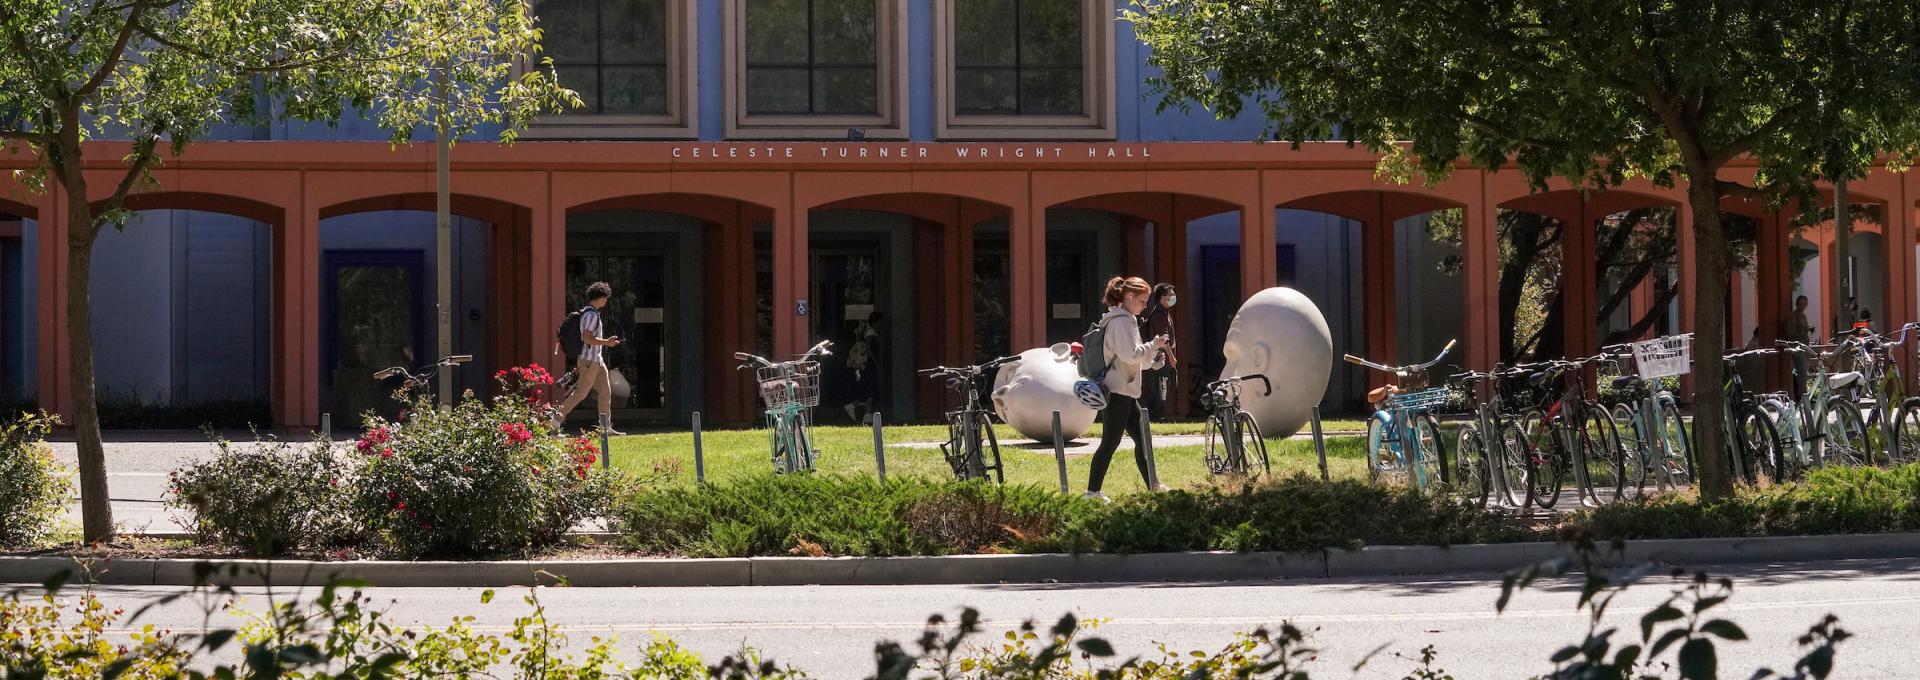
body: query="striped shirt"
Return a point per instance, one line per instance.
(590, 328)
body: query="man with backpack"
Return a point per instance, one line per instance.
(580, 341)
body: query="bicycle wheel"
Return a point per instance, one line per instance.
(1252, 445)
(1470, 466)
(1215, 436)
(1514, 453)
(1677, 461)
(954, 451)
(1633, 450)
(1384, 462)
(1433, 472)
(1906, 433)
(1846, 435)
(1599, 455)
(1759, 446)
(803, 444)
(1546, 460)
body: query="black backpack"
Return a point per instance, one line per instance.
(569, 335)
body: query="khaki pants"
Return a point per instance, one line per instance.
(590, 374)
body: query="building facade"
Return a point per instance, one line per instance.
(955, 177)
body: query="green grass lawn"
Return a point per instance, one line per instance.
(849, 450)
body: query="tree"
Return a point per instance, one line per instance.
(162, 73)
(1594, 91)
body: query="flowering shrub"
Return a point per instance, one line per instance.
(483, 478)
(271, 498)
(32, 486)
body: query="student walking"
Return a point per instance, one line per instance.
(590, 368)
(1163, 379)
(1126, 357)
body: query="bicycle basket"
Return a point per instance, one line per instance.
(1662, 357)
(1423, 399)
(790, 383)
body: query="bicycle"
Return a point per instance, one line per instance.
(1402, 425)
(420, 379)
(1230, 432)
(1474, 466)
(970, 430)
(1842, 435)
(1880, 374)
(789, 389)
(1571, 433)
(1655, 435)
(1751, 440)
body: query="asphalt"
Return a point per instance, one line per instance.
(830, 630)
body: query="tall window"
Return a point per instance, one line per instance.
(613, 52)
(812, 57)
(1019, 57)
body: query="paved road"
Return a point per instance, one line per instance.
(831, 630)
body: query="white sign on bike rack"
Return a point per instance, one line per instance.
(1663, 357)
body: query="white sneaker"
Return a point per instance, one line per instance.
(1097, 495)
(1161, 488)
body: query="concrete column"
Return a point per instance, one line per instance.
(790, 276)
(1578, 292)
(1641, 303)
(1481, 252)
(1027, 246)
(1133, 250)
(1773, 291)
(51, 254)
(296, 312)
(1898, 238)
(1380, 294)
(1257, 241)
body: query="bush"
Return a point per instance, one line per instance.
(270, 498)
(33, 488)
(483, 478)
(1832, 500)
(844, 515)
(127, 410)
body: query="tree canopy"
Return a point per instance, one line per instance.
(1594, 91)
(164, 73)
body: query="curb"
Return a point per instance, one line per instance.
(956, 569)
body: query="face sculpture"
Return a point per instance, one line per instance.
(1028, 391)
(1280, 334)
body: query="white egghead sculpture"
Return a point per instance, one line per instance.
(1279, 333)
(1028, 391)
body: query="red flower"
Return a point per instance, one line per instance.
(400, 505)
(386, 453)
(536, 470)
(517, 433)
(391, 495)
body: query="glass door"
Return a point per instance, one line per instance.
(639, 314)
(849, 289)
(376, 319)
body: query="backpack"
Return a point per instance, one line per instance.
(1093, 352)
(569, 335)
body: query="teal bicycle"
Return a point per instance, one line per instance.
(1403, 437)
(790, 389)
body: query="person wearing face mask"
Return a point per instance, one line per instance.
(1163, 379)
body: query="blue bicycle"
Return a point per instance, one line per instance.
(1403, 437)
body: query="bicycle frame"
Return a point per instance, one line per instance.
(1397, 423)
(970, 433)
(1491, 425)
(1809, 449)
(1226, 420)
(1647, 422)
(1565, 417)
(787, 417)
(422, 378)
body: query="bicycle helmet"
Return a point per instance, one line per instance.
(1091, 393)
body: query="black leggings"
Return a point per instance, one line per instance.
(1122, 414)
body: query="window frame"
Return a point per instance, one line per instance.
(890, 59)
(1094, 123)
(682, 120)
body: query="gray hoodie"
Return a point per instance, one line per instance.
(1127, 355)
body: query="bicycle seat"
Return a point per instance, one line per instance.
(1841, 381)
(1626, 382)
(1380, 394)
(1537, 379)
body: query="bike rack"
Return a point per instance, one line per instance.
(879, 449)
(1060, 452)
(1320, 445)
(1146, 442)
(606, 444)
(699, 455)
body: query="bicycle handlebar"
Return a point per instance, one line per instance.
(1266, 384)
(425, 371)
(1408, 368)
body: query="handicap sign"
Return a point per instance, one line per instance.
(800, 307)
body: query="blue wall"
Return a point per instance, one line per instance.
(1136, 119)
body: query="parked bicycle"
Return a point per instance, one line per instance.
(1571, 434)
(970, 436)
(1821, 427)
(1233, 439)
(789, 389)
(1648, 419)
(1403, 437)
(419, 380)
(1751, 440)
(1492, 449)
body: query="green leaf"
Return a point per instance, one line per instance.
(1727, 630)
(486, 596)
(1661, 614)
(1698, 660)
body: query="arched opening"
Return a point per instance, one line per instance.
(378, 291)
(685, 274)
(19, 286)
(1582, 270)
(900, 282)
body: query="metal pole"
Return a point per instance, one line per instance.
(326, 425)
(1060, 451)
(1146, 442)
(1320, 445)
(606, 446)
(879, 449)
(699, 456)
(443, 235)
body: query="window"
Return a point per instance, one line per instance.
(815, 68)
(1015, 69)
(628, 59)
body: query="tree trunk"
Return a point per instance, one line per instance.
(1715, 470)
(96, 510)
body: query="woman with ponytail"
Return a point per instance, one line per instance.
(1126, 357)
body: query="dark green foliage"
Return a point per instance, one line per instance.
(271, 497)
(33, 487)
(1832, 500)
